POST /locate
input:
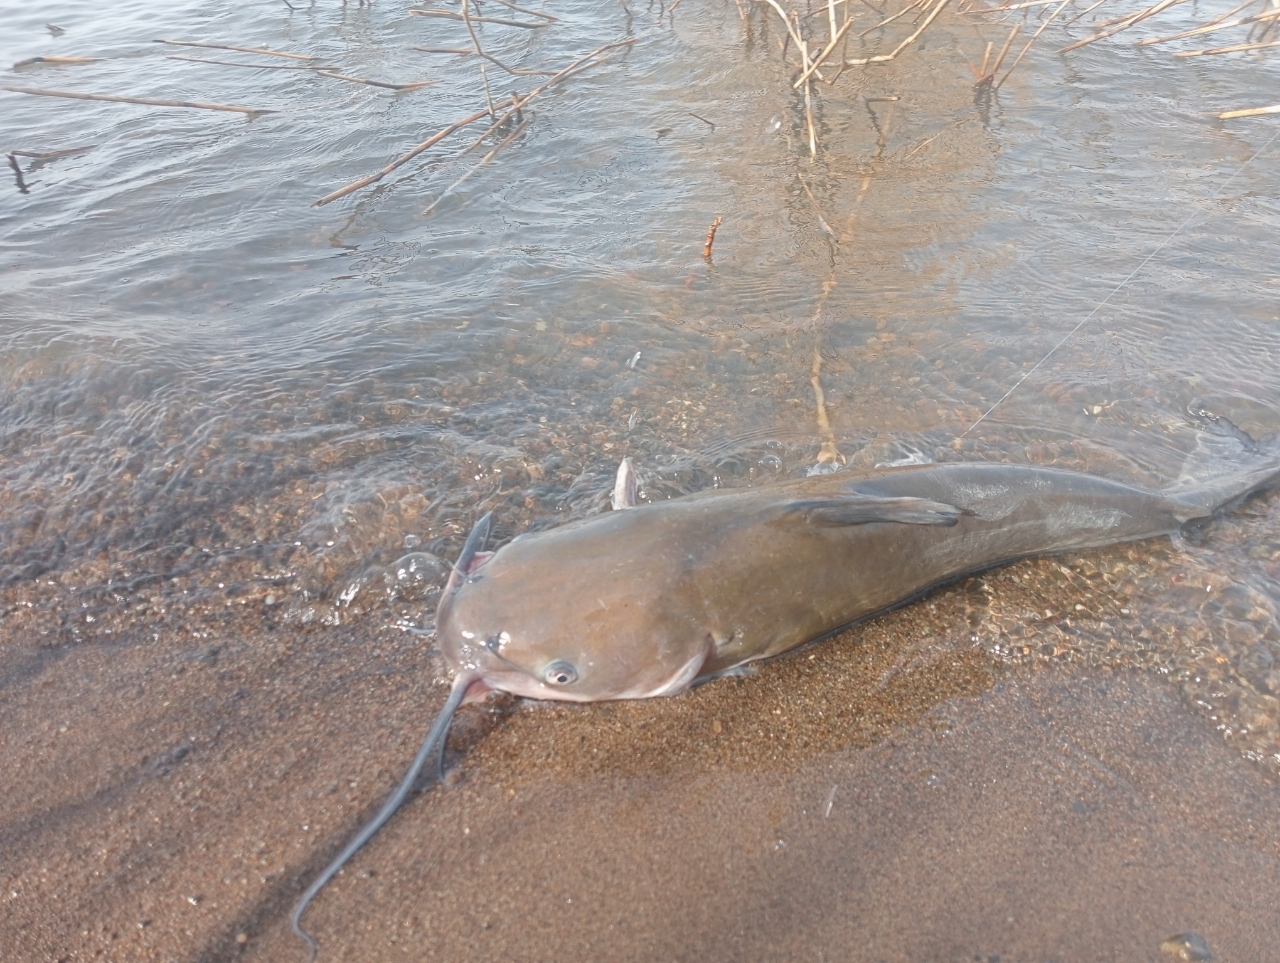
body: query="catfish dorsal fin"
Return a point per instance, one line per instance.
(857, 509)
(624, 487)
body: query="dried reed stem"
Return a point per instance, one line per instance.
(223, 46)
(375, 83)
(885, 58)
(450, 15)
(1224, 50)
(483, 160)
(1210, 23)
(148, 101)
(1004, 51)
(232, 63)
(1014, 6)
(479, 51)
(1094, 6)
(1124, 24)
(817, 211)
(711, 238)
(532, 13)
(808, 116)
(582, 63)
(475, 41)
(404, 158)
(829, 454)
(791, 31)
(1252, 112)
(826, 52)
(888, 20)
(512, 110)
(1102, 24)
(17, 173)
(803, 46)
(923, 144)
(985, 77)
(1017, 60)
(52, 154)
(1215, 25)
(55, 60)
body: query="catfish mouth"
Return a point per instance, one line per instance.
(478, 690)
(494, 673)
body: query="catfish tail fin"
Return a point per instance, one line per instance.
(1227, 466)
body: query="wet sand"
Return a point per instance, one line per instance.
(892, 794)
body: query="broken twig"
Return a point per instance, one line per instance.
(532, 13)
(232, 63)
(375, 83)
(1017, 60)
(826, 52)
(1251, 112)
(148, 101)
(223, 46)
(1235, 48)
(450, 15)
(54, 60)
(1124, 24)
(17, 173)
(483, 160)
(52, 154)
(885, 58)
(711, 238)
(582, 63)
(1216, 24)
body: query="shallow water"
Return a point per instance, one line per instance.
(220, 402)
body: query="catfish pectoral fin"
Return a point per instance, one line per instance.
(733, 672)
(857, 509)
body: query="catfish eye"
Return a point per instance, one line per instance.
(560, 673)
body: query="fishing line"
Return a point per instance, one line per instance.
(1101, 304)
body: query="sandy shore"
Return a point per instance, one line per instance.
(892, 794)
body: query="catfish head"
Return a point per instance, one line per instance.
(597, 609)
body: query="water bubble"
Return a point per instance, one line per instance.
(348, 594)
(823, 468)
(775, 123)
(415, 576)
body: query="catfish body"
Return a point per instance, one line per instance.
(643, 602)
